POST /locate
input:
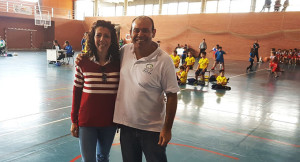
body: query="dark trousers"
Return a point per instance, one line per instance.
(256, 55)
(250, 66)
(134, 142)
(218, 86)
(202, 50)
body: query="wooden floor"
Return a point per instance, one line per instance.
(257, 120)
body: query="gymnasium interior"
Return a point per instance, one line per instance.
(258, 120)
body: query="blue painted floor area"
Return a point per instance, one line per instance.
(257, 120)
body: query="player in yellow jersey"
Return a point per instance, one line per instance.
(181, 75)
(189, 61)
(221, 82)
(202, 67)
(175, 58)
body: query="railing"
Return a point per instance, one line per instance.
(30, 8)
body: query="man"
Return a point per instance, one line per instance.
(256, 47)
(285, 5)
(69, 51)
(277, 5)
(202, 46)
(267, 5)
(147, 73)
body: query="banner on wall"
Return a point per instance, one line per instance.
(22, 9)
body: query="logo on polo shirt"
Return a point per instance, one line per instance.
(148, 69)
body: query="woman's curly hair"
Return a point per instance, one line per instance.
(113, 50)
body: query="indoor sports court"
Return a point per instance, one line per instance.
(256, 121)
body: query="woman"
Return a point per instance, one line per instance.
(56, 45)
(96, 83)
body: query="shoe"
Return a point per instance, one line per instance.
(212, 69)
(228, 88)
(201, 83)
(276, 76)
(250, 70)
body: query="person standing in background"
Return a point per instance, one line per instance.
(256, 47)
(202, 46)
(83, 42)
(267, 5)
(277, 5)
(285, 5)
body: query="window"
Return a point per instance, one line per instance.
(211, 7)
(183, 7)
(194, 7)
(139, 10)
(119, 11)
(238, 6)
(108, 11)
(131, 11)
(148, 9)
(294, 5)
(223, 6)
(260, 4)
(172, 8)
(83, 9)
(155, 9)
(164, 9)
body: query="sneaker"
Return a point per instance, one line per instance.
(201, 83)
(212, 69)
(276, 76)
(228, 88)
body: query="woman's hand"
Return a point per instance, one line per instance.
(74, 130)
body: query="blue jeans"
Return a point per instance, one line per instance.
(134, 142)
(94, 140)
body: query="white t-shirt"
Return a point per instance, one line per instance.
(140, 101)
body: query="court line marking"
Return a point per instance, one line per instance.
(58, 98)
(36, 113)
(248, 73)
(177, 144)
(238, 133)
(4, 134)
(56, 89)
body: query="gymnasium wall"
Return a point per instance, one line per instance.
(21, 39)
(71, 30)
(235, 32)
(62, 4)
(61, 30)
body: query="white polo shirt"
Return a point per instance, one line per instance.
(140, 101)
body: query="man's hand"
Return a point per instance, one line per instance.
(74, 130)
(164, 137)
(79, 57)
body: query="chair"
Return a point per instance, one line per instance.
(207, 71)
(68, 57)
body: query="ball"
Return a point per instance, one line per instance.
(266, 59)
